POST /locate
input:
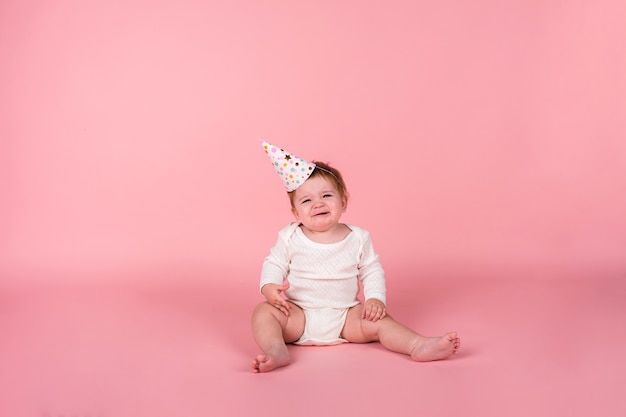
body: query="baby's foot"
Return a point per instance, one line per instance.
(435, 348)
(265, 362)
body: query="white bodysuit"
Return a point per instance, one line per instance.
(324, 278)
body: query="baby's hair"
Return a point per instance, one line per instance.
(329, 173)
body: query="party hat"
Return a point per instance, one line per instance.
(293, 171)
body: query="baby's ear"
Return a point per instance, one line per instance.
(295, 213)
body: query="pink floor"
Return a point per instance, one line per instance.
(535, 343)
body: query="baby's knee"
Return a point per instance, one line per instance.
(371, 328)
(265, 309)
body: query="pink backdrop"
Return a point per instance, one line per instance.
(482, 136)
(468, 132)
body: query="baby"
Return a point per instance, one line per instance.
(311, 277)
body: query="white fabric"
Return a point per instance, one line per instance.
(323, 276)
(323, 327)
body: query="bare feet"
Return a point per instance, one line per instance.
(435, 348)
(265, 362)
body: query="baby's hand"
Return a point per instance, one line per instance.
(274, 295)
(374, 310)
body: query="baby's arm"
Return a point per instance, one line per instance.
(372, 276)
(275, 271)
(273, 293)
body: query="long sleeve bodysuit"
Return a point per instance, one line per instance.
(324, 278)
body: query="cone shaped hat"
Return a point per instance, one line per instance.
(293, 171)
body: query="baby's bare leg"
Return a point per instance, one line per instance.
(271, 330)
(399, 338)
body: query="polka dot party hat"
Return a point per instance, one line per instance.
(293, 171)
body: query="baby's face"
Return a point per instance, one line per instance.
(318, 205)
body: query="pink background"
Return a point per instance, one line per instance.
(482, 142)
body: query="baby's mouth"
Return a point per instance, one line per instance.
(321, 214)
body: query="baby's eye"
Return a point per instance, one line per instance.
(305, 201)
(327, 195)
